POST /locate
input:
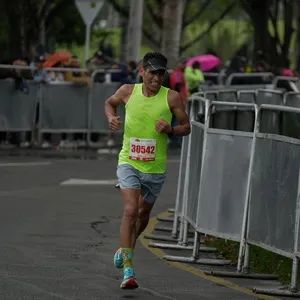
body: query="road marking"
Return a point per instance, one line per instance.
(185, 267)
(24, 164)
(77, 181)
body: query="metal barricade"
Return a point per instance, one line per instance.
(272, 121)
(215, 78)
(245, 118)
(101, 92)
(291, 121)
(222, 188)
(250, 78)
(224, 181)
(64, 108)
(195, 159)
(196, 104)
(282, 81)
(274, 196)
(17, 109)
(182, 174)
(224, 116)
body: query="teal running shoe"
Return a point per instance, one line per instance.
(118, 259)
(129, 282)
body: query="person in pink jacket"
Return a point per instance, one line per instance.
(178, 83)
(177, 80)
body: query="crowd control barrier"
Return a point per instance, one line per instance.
(17, 109)
(59, 107)
(63, 107)
(239, 185)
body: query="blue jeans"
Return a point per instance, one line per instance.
(149, 184)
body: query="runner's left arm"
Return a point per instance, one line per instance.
(177, 107)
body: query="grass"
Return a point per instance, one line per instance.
(261, 261)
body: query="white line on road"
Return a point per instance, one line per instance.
(24, 164)
(76, 181)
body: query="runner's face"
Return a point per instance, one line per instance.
(153, 79)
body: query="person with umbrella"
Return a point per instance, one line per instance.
(194, 77)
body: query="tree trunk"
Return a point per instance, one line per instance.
(135, 26)
(14, 34)
(297, 9)
(172, 25)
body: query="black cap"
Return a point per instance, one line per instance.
(155, 64)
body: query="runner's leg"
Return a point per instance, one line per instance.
(150, 190)
(130, 190)
(143, 217)
(130, 216)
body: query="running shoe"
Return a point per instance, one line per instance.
(118, 259)
(129, 282)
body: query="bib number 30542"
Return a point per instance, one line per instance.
(142, 149)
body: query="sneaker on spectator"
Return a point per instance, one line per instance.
(25, 144)
(110, 143)
(67, 144)
(46, 145)
(81, 143)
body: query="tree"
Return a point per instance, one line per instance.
(190, 12)
(171, 33)
(261, 12)
(297, 9)
(24, 21)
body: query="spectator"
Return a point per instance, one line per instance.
(178, 83)
(194, 77)
(99, 61)
(41, 75)
(77, 139)
(77, 77)
(57, 76)
(177, 80)
(132, 71)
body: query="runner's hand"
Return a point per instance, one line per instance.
(163, 127)
(114, 123)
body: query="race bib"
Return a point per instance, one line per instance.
(142, 149)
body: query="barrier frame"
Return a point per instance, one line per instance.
(183, 226)
(194, 258)
(249, 75)
(245, 241)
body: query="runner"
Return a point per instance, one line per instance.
(142, 161)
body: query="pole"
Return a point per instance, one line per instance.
(135, 29)
(87, 41)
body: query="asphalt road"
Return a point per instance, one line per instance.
(58, 241)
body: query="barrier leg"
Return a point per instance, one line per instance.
(294, 274)
(293, 292)
(246, 266)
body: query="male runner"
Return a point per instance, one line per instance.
(142, 161)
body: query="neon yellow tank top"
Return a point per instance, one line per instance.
(143, 147)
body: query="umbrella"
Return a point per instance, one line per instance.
(58, 57)
(207, 61)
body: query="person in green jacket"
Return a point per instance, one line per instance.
(194, 77)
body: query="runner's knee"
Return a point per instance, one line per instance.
(131, 211)
(143, 213)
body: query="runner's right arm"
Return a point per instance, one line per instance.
(119, 97)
